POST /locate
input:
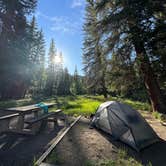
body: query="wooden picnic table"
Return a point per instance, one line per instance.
(24, 110)
(29, 108)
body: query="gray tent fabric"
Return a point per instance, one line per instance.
(125, 124)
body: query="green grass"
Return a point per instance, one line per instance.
(53, 158)
(81, 106)
(157, 115)
(137, 105)
(122, 159)
(86, 105)
(76, 105)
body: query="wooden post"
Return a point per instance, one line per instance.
(20, 123)
(66, 120)
(55, 122)
(36, 114)
(4, 125)
(35, 128)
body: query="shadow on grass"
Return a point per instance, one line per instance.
(101, 99)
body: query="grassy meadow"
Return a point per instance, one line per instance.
(86, 105)
(76, 105)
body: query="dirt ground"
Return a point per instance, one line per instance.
(78, 147)
(23, 150)
(82, 145)
(156, 125)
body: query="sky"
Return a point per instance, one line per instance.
(62, 20)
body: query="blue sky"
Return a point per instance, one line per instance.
(63, 20)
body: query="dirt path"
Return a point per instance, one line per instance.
(82, 145)
(156, 125)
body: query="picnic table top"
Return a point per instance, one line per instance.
(28, 108)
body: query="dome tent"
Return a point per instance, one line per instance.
(125, 124)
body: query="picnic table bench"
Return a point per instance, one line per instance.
(34, 123)
(39, 123)
(5, 121)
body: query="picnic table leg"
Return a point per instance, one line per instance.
(55, 122)
(43, 125)
(37, 127)
(20, 123)
(66, 120)
(36, 114)
(4, 125)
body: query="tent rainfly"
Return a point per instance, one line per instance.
(124, 124)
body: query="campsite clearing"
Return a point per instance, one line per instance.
(88, 147)
(95, 146)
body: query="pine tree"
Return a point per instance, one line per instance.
(39, 65)
(62, 77)
(67, 82)
(59, 73)
(14, 67)
(129, 23)
(41, 50)
(64, 83)
(94, 58)
(156, 39)
(76, 83)
(36, 46)
(51, 71)
(33, 41)
(33, 55)
(123, 78)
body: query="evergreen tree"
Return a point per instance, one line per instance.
(76, 83)
(67, 82)
(39, 66)
(51, 71)
(123, 78)
(130, 23)
(155, 46)
(59, 74)
(41, 50)
(33, 55)
(64, 83)
(58, 79)
(14, 62)
(93, 58)
(36, 46)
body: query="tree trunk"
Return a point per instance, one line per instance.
(104, 88)
(150, 81)
(105, 95)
